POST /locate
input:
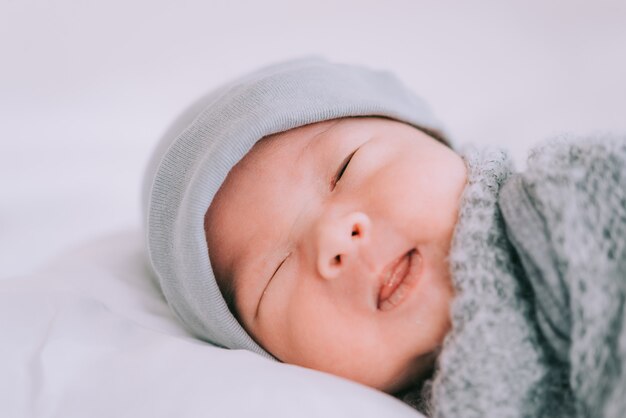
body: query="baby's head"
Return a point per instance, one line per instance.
(315, 226)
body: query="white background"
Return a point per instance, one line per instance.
(87, 87)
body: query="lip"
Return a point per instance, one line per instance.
(397, 279)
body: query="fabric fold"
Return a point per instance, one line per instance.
(538, 262)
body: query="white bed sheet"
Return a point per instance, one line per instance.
(90, 335)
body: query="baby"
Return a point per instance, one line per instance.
(330, 241)
(314, 213)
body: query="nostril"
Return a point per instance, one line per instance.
(337, 260)
(360, 225)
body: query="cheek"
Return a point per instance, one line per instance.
(435, 312)
(315, 331)
(321, 332)
(428, 199)
(354, 347)
(400, 195)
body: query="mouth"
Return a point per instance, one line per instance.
(397, 279)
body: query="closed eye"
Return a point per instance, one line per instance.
(267, 285)
(342, 169)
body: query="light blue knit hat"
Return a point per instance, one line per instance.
(192, 160)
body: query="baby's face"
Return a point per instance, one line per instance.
(335, 237)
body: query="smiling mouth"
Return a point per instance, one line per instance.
(397, 279)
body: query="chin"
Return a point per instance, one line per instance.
(412, 374)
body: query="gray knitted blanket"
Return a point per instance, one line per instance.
(538, 260)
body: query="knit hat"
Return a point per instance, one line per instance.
(189, 166)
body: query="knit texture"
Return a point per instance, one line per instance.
(491, 362)
(566, 216)
(538, 264)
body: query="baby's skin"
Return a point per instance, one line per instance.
(333, 239)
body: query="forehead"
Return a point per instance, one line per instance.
(292, 143)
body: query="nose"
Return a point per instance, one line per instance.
(338, 241)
